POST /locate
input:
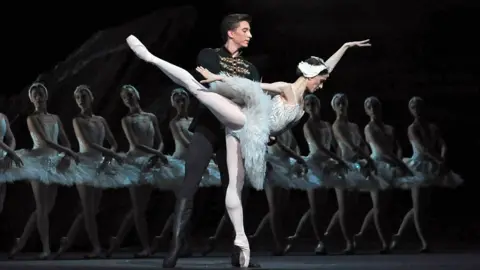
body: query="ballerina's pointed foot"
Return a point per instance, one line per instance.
(44, 255)
(142, 254)
(113, 246)
(62, 249)
(320, 249)
(242, 252)
(139, 49)
(394, 243)
(95, 254)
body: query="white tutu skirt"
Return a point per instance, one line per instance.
(395, 176)
(360, 177)
(211, 177)
(286, 173)
(92, 171)
(430, 173)
(329, 172)
(40, 166)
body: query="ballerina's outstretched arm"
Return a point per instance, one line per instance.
(335, 58)
(225, 110)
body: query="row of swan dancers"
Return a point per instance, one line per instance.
(339, 159)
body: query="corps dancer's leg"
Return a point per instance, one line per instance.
(3, 193)
(225, 110)
(140, 196)
(198, 157)
(233, 200)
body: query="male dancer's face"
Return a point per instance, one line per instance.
(241, 35)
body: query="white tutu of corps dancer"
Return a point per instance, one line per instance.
(38, 165)
(361, 177)
(395, 176)
(264, 115)
(430, 173)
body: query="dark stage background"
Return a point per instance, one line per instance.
(424, 48)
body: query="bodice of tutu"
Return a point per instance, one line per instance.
(50, 128)
(180, 149)
(347, 153)
(3, 131)
(283, 115)
(95, 131)
(325, 140)
(142, 128)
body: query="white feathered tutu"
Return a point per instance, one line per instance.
(47, 168)
(286, 173)
(329, 172)
(430, 173)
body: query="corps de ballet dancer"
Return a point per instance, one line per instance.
(324, 164)
(427, 163)
(158, 170)
(248, 128)
(8, 157)
(179, 126)
(91, 131)
(381, 139)
(49, 167)
(282, 156)
(353, 150)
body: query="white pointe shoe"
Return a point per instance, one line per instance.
(139, 49)
(243, 250)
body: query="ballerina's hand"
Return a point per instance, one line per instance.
(209, 76)
(16, 159)
(362, 43)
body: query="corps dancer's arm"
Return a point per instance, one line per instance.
(177, 133)
(158, 134)
(397, 145)
(109, 135)
(62, 136)
(290, 152)
(370, 137)
(132, 139)
(414, 137)
(341, 136)
(441, 142)
(35, 127)
(80, 134)
(311, 128)
(10, 144)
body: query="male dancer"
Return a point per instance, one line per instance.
(208, 132)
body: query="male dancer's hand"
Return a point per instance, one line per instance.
(272, 141)
(209, 76)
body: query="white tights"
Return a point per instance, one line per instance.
(232, 117)
(227, 112)
(233, 201)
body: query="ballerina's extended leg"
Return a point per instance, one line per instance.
(224, 109)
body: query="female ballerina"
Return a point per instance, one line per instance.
(323, 163)
(141, 129)
(91, 131)
(389, 166)
(7, 156)
(44, 161)
(182, 137)
(248, 128)
(353, 149)
(426, 163)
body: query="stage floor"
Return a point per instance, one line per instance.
(71, 261)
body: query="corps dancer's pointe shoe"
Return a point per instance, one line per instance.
(183, 212)
(63, 247)
(15, 249)
(96, 254)
(211, 243)
(156, 243)
(356, 239)
(320, 249)
(394, 243)
(44, 256)
(142, 254)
